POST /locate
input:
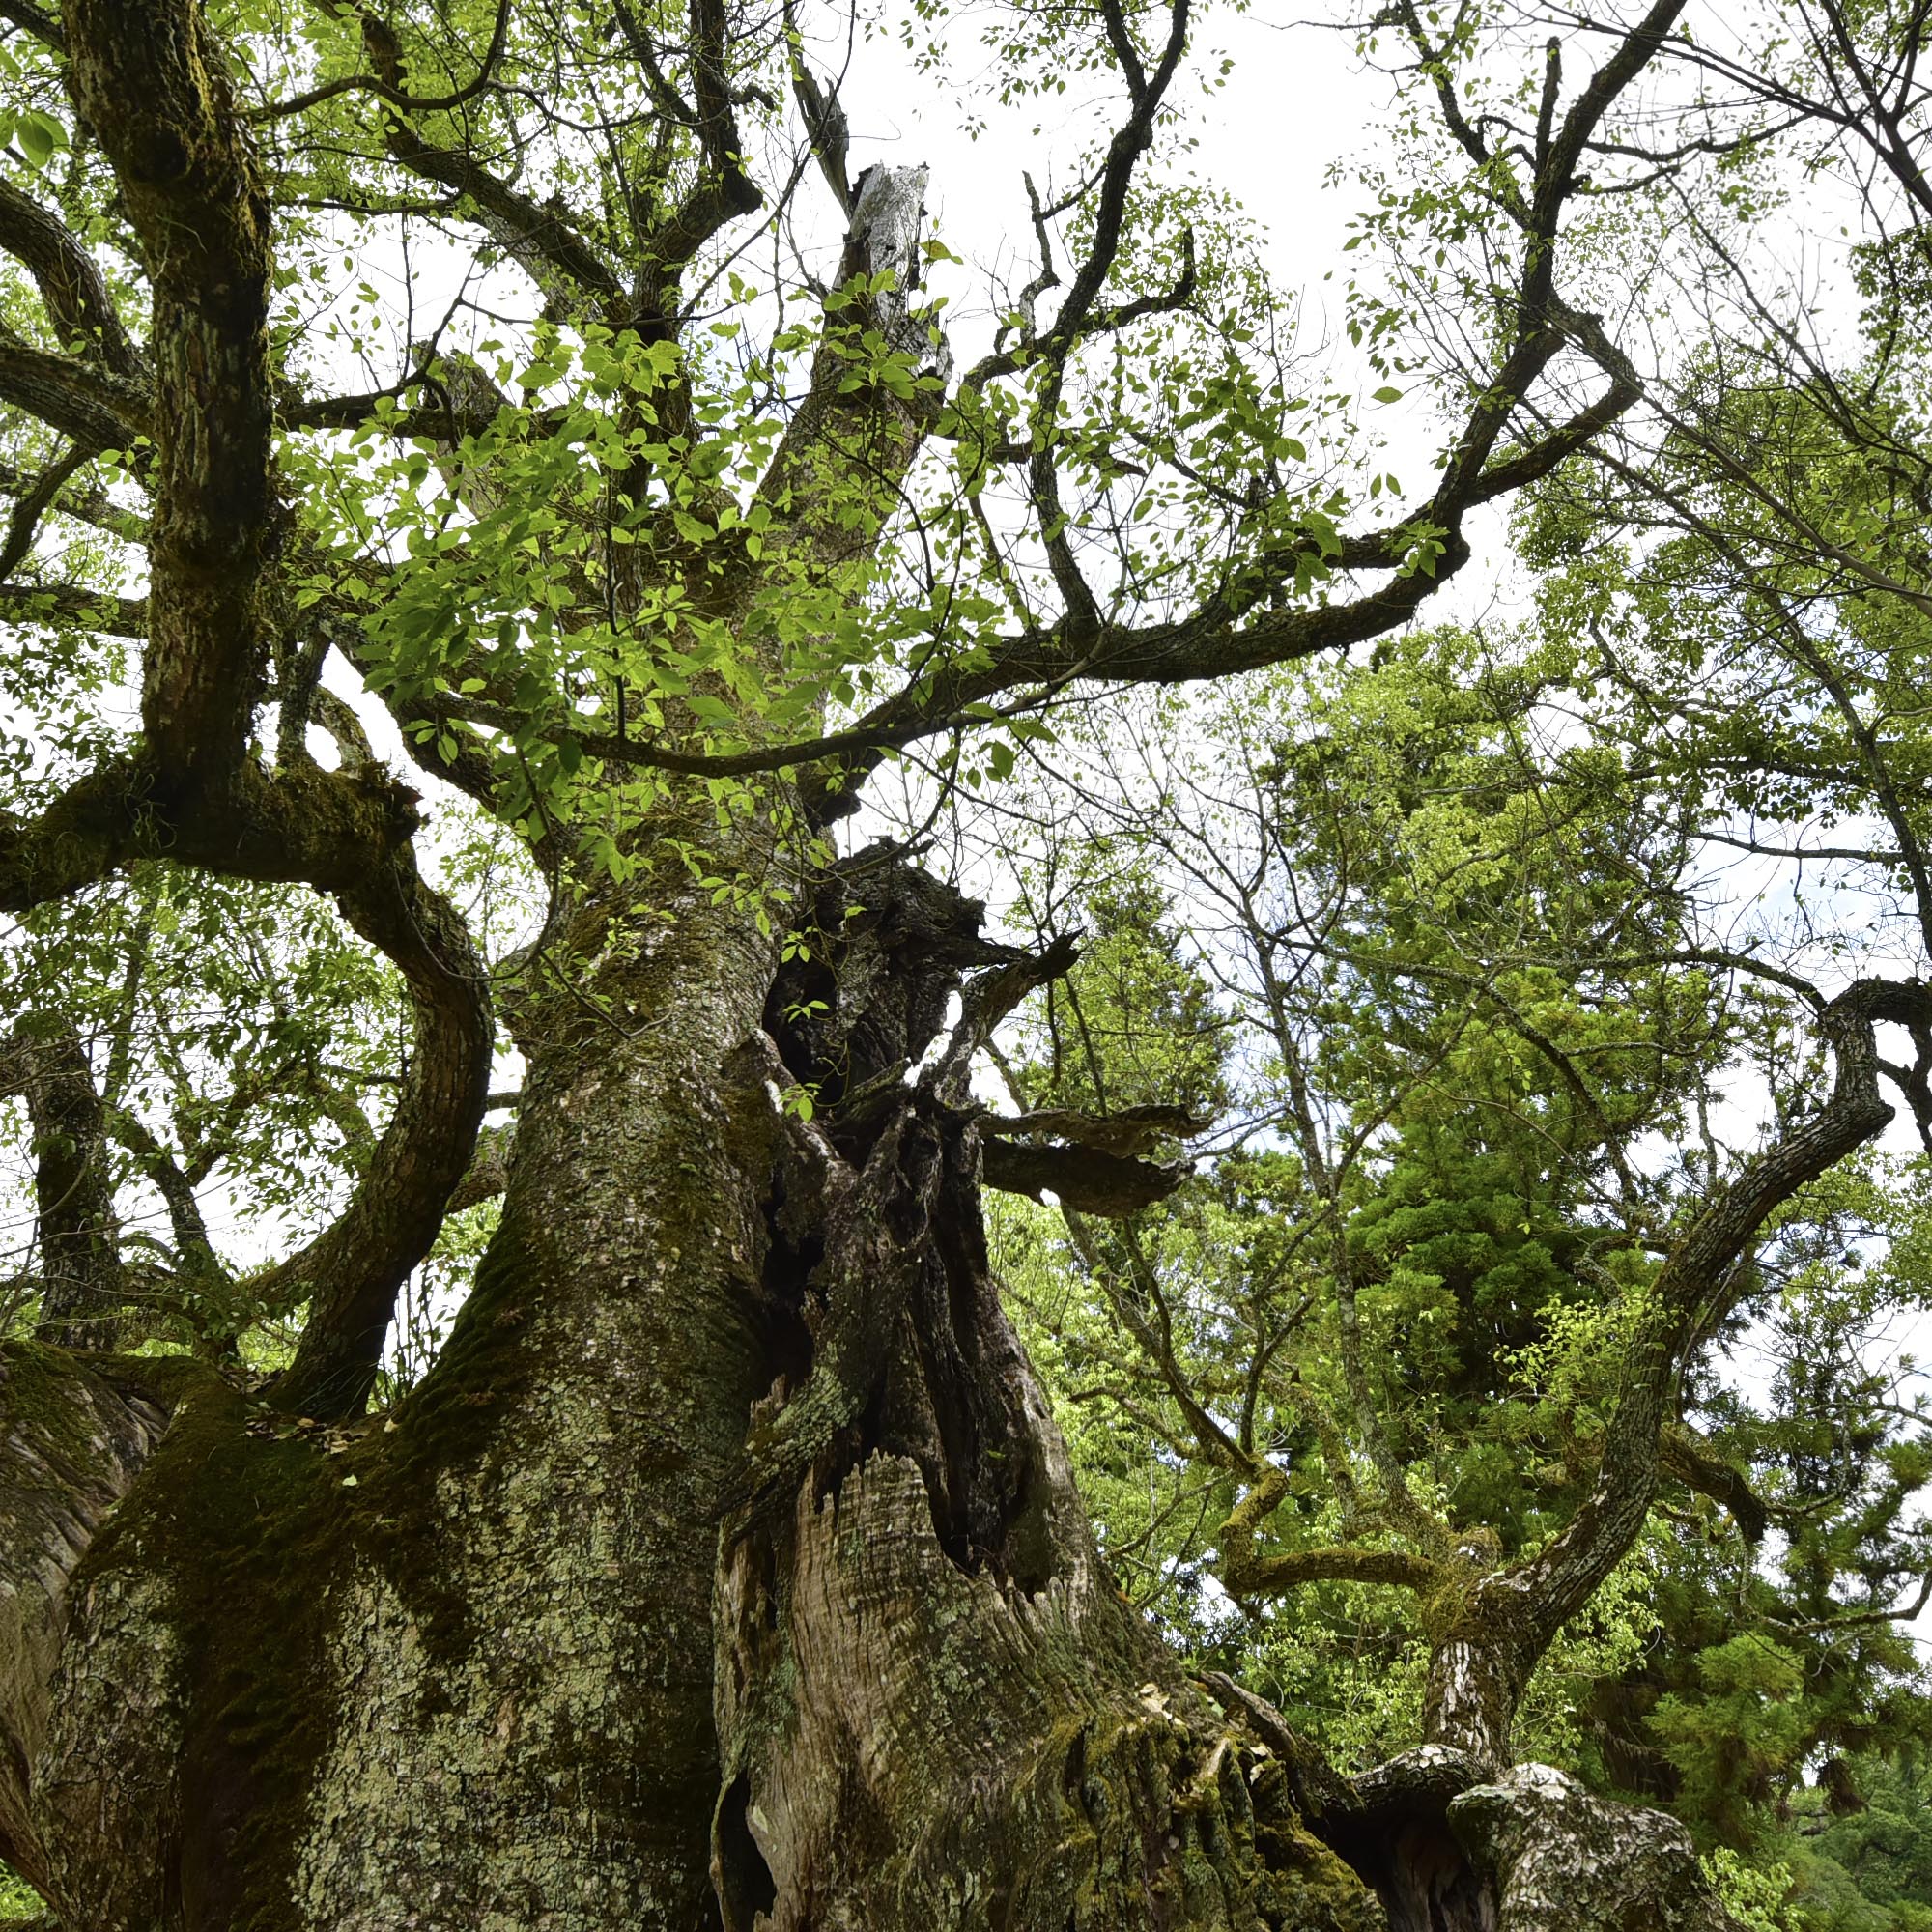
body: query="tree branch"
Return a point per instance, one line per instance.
(346, 833)
(572, 275)
(1340, 1563)
(833, 477)
(396, 97)
(73, 289)
(93, 406)
(1082, 1178)
(58, 603)
(85, 505)
(1530, 1600)
(154, 86)
(83, 1288)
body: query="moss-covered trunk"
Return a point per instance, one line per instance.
(452, 1665)
(726, 1569)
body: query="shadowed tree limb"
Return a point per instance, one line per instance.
(35, 20)
(86, 505)
(1343, 1563)
(70, 604)
(346, 834)
(1689, 1459)
(154, 87)
(1085, 1179)
(354, 1270)
(73, 289)
(34, 503)
(92, 405)
(83, 1286)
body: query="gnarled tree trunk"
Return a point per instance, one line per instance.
(726, 1570)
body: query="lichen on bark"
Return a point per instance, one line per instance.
(73, 1445)
(1558, 1859)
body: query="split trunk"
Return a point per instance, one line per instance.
(726, 1571)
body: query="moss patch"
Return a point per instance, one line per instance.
(250, 1533)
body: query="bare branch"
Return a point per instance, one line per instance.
(396, 97)
(71, 286)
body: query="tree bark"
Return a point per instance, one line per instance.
(726, 1572)
(82, 1289)
(75, 1443)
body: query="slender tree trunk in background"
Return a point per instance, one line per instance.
(75, 1227)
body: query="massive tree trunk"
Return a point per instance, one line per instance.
(725, 1569)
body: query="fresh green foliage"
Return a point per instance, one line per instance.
(1466, 1088)
(18, 1899)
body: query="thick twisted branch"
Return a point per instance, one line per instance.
(154, 87)
(1532, 1601)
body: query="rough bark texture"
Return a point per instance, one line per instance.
(910, 1743)
(1557, 1860)
(726, 1571)
(545, 1652)
(932, 1708)
(1475, 1680)
(73, 1445)
(196, 199)
(82, 1289)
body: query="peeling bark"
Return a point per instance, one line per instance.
(1559, 1861)
(910, 1740)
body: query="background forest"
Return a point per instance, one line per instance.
(1449, 975)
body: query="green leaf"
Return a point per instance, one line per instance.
(39, 135)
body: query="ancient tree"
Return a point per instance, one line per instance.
(725, 1567)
